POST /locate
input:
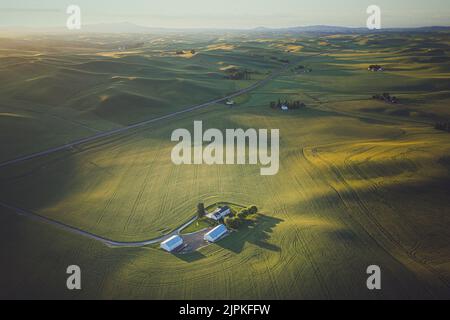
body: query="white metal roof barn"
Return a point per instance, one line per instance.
(216, 233)
(172, 243)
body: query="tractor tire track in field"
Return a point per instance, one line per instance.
(138, 198)
(391, 238)
(352, 195)
(360, 115)
(114, 194)
(304, 246)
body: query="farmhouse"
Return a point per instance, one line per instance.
(172, 243)
(219, 213)
(216, 233)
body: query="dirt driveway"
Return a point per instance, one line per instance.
(194, 241)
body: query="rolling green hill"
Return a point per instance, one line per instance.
(361, 181)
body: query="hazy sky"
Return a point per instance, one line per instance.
(226, 13)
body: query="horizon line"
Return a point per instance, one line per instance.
(206, 28)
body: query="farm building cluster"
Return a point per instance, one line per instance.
(287, 105)
(375, 68)
(302, 69)
(176, 242)
(386, 97)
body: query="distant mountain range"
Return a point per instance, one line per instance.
(126, 27)
(337, 29)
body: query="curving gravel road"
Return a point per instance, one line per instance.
(106, 241)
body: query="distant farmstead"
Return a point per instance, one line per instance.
(220, 213)
(230, 102)
(172, 243)
(216, 233)
(386, 97)
(375, 68)
(287, 105)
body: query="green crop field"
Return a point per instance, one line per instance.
(361, 181)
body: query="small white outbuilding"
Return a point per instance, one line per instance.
(172, 243)
(216, 233)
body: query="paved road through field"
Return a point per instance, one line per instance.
(142, 123)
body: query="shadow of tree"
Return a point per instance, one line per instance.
(257, 232)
